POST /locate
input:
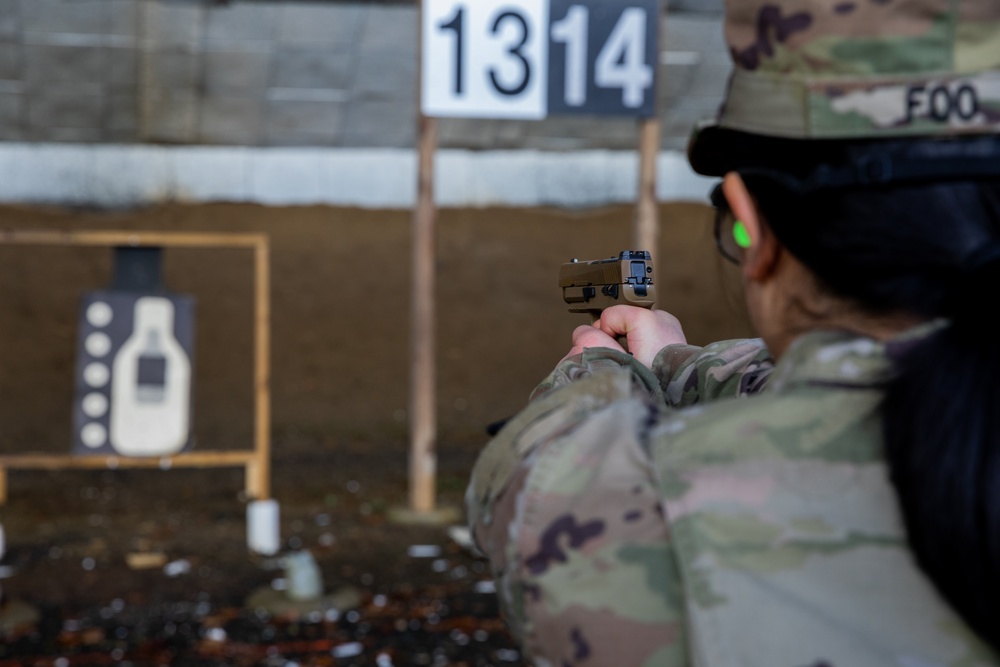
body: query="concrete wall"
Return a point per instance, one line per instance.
(262, 73)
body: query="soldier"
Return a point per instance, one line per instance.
(829, 494)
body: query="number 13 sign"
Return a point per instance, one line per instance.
(527, 59)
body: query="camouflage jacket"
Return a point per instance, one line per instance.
(718, 511)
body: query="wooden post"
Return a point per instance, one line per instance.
(647, 223)
(258, 480)
(423, 401)
(423, 426)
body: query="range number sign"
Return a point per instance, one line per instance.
(528, 59)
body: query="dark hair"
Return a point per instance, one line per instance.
(911, 248)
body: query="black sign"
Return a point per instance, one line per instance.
(133, 374)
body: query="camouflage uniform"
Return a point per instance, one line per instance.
(828, 69)
(719, 510)
(821, 69)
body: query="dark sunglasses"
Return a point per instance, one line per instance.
(731, 236)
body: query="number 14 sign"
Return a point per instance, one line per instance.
(528, 59)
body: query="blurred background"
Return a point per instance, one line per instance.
(269, 73)
(298, 120)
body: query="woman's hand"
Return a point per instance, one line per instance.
(647, 331)
(589, 335)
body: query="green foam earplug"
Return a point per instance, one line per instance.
(741, 235)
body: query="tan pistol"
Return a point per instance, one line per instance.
(592, 286)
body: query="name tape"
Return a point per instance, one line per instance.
(959, 102)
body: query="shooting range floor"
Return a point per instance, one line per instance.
(340, 302)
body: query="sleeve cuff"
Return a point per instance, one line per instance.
(669, 361)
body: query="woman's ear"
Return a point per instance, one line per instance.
(761, 255)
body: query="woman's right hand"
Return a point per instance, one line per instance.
(647, 331)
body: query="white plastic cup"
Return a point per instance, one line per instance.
(263, 532)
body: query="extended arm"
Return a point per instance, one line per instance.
(565, 504)
(687, 374)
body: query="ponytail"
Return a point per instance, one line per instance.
(941, 421)
(932, 251)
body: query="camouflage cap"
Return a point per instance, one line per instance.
(856, 69)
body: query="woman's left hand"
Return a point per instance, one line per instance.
(647, 331)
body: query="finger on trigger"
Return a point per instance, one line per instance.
(614, 321)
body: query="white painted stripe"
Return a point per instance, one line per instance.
(129, 175)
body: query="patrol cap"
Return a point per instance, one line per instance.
(852, 69)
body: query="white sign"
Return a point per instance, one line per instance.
(526, 59)
(485, 57)
(151, 385)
